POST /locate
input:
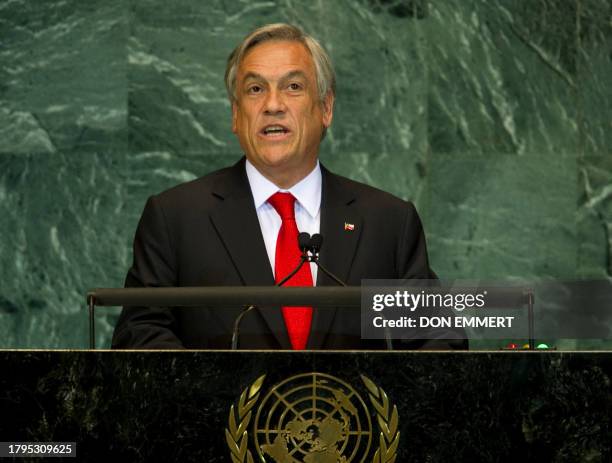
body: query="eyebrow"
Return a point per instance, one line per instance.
(289, 75)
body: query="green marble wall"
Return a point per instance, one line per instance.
(494, 116)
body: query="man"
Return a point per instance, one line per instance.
(238, 226)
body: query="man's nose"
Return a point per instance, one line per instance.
(275, 102)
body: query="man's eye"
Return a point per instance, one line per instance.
(254, 89)
(294, 86)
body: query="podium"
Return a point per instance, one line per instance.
(181, 406)
(360, 406)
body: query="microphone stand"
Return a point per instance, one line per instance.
(314, 245)
(303, 242)
(315, 258)
(235, 331)
(305, 258)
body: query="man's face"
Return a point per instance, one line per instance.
(278, 116)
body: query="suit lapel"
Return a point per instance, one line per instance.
(236, 222)
(341, 226)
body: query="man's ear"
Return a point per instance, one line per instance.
(234, 117)
(328, 109)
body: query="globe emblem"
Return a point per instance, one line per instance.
(312, 418)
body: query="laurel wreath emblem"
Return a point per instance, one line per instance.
(388, 420)
(236, 433)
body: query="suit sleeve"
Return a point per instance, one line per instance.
(154, 265)
(414, 264)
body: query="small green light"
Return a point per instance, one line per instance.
(542, 346)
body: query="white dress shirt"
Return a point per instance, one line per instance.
(307, 193)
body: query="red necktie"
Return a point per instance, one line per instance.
(297, 319)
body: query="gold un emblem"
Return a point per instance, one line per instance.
(312, 418)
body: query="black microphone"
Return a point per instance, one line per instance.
(316, 241)
(304, 242)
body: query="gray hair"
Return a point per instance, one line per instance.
(326, 78)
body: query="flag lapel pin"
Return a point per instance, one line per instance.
(349, 226)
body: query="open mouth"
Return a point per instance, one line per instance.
(274, 131)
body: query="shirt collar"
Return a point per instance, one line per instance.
(307, 191)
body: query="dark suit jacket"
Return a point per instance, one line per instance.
(206, 233)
